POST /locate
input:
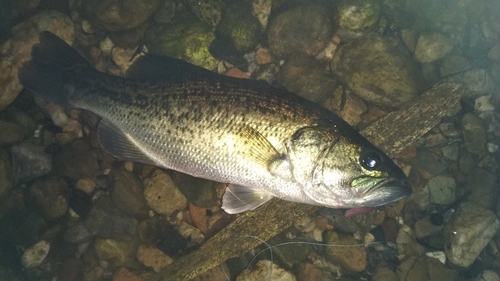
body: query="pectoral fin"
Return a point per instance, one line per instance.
(260, 150)
(239, 199)
(120, 145)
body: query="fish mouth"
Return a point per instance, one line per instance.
(387, 191)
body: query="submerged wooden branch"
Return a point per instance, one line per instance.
(392, 134)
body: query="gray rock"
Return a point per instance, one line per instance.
(424, 227)
(10, 133)
(475, 82)
(185, 38)
(449, 129)
(434, 15)
(470, 230)
(438, 271)
(77, 160)
(21, 118)
(306, 77)
(494, 53)
(56, 112)
(378, 69)
(241, 26)
(303, 29)
(466, 161)
(162, 195)
(50, 197)
(77, 233)
(106, 220)
(30, 161)
(336, 218)
(487, 275)
(289, 256)
(452, 64)
(450, 152)
(442, 189)
(432, 46)
(118, 252)
(495, 72)
(474, 134)
(128, 194)
(358, 15)
(6, 176)
(208, 11)
(120, 16)
(483, 187)
(432, 163)
(430, 72)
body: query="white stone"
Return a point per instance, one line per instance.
(264, 271)
(440, 255)
(492, 148)
(470, 230)
(34, 255)
(483, 104)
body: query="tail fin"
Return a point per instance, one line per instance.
(53, 63)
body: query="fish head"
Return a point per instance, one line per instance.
(340, 170)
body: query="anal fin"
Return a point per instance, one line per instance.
(120, 145)
(239, 199)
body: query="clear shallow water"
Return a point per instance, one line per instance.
(360, 60)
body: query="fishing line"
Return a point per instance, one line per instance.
(270, 248)
(248, 267)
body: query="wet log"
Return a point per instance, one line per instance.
(391, 133)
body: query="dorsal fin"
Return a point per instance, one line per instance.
(152, 67)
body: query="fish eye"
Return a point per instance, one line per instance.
(370, 160)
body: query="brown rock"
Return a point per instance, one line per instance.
(153, 257)
(303, 29)
(120, 15)
(236, 72)
(162, 195)
(352, 258)
(123, 274)
(86, 185)
(71, 270)
(353, 110)
(199, 217)
(76, 161)
(384, 274)
(374, 113)
(308, 272)
(391, 229)
(127, 194)
(10, 132)
(95, 274)
(50, 197)
(6, 176)
(116, 252)
(263, 56)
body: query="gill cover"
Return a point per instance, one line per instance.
(305, 149)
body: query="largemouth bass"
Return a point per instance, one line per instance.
(264, 141)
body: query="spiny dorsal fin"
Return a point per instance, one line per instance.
(152, 67)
